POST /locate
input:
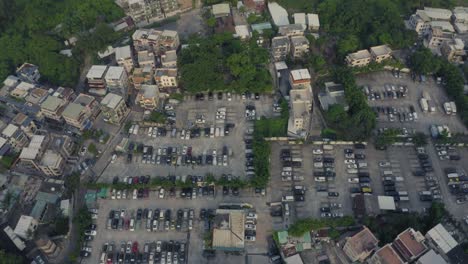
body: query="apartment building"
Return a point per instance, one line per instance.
(124, 58)
(299, 78)
(292, 30)
(300, 18)
(142, 76)
(148, 97)
(280, 47)
(15, 137)
(117, 81)
(145, 12)
(29, 157)
(169, 59)
(26, 226)
(155, 40)
(409, 244)
(359, 58)
(96, 80)
(113, 108)
(313, 22)
(52, 163)
(22, 90)
(53, 107)
(300, 101)
(453, 50)
(146, 58)
(166, 78)
(380, 53)
(386, 255)
(80, 114)
(64, 145)
(25, 123)
(169, 40)
(436, 37)
(421, 20)
(361, 245)
(28, 72)
(299, 46)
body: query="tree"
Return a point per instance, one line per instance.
(92, 149)
(8, 258)
(422, 61)
(419, 139)
(387, 138)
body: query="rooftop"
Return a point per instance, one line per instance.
(96, 72)
(300, 18)
(149, 90)
(73, 111)
(431, 257)
(115, 72)
(23, 225)
(242, 31)
(442, 238)
(170, 56)
(25, 86)
(165, 72)
(10, 130)
(84, 99)
(301, 74)
(363, 241)
(299, 41)
(388, 255)
(409, 244)
(169, 33)
(261, 26)
(359, 55)
(279, 41)
(430, 13)
(29, 153)
(313, 20)
(287, 29)
(111, 100)
(443, 25)
(278, 14)
(386, 203)
(123, 52)
(381, 50)
(221, 9)
(52, 103)
(51, 158)
(11, 81)
(228, 231)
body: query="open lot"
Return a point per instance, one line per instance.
(203, 145)
(379, 81)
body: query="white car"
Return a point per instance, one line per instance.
(87, 249)
(113, 194)
(335, 215)
(317, 151)
(325, 215)
(353, 180)
(161, 193)
(229, 97)
(349, 161)
(384, 164)
(250, 238)
(250, 227)
(251, 215)
(94, 216)
(352, 166)
(91, 233)
(119, 195)
(124, 194)
(158, 246)
(135, 194)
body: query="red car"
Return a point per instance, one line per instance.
(146, 193)
(135, 247)
(135, 180)
(126, 224)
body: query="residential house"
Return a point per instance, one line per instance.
(29, 157)
(169, 40)
(280, 47)
(300, 100)
(28, 72)
(409, 244)
(36, 95)
(278, 14)
(460, 19)
(63, 145)
(243, 32)
(380, 53)
(166, 79)
(299, 46)
(221, 10)
(53, 107)
(299, 78)
(361, 245)
(96, 80)
(420, 21)
(114, 108)
(66, 94)
(117, 81)
(359, 58)
(148, 97)
(15, 137)
(255, 5)
(453, 50)
(292, 30)
(142, 76)
(146, 39)
(386, 255)
(26, 227)
(313, 22)
(146, 58)
(124, 58)
(169, 59)
(22, 90)
(48, 247)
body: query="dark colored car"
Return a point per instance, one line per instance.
(333, 194)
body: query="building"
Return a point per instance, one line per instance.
(290, 246)
(221, 10)
(169, 40)
(300, 18)
(117, 81)
(22, 90)
(420, 21)
(386, 255)
(36, 95)
(52, 163)
(124, 24)
(53, 107)
(146, 39)
(166, 78)
(278, 14)
(380, 53)
(28, 72)
(96, 80)
(436, 36)
(29, 157)
(280, 47)
(439, 238)
(146, 58)
(453, 50)
(409, 244)
(15, 137)
(63, 145)
(299, 78)
(460, 15)
(144, 12)
(113, 108)
(361, 245)
(292, 30)
(169, 59)
(48, 247)
(142, 76)
(4, 149)
(359, 58)
(26, 227)
(148, 97)
(299, 46)
(313, 22)
(47, 200)
(14, 238)
(300, 101)
(431, 257)
(334, 94)
(260, 27)
(124, 58)
(228, 230)
(243, 32)
(256, 5)
(80, 114)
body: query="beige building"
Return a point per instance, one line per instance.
(169, 41)
(22, 90)
(146, 58)
(166, 78)
(142, 76)
(361, 245)
(117, 81)
(114, 108)
(299, 46)
(144, 12)
(124, 58)
(155, 41)
(453, 50)
(421, 20)
(80, 114)
(26, 227)
(52, 163)
(359, 58)
(96, 80)
(280, 47)
(228, 230)
(148, 97)
(292, 30)
(29, 156)
(48, 247)
(300, 101)
(313, 22)
(436, 37)
(52, 107)
(15, 137)
(380, 53)
(169, 59)
(25, 123)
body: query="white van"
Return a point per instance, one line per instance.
(132, 225)
(352, 171)
(286, 209)
(320, 179)
(387, 173)
(287, 198)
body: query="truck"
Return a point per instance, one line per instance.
(447, 108)
(454, 108)
(424, 105)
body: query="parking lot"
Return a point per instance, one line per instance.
(397, 111)
(200, 127)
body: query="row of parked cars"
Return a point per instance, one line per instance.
(397, 114)
(425, 170)
(150, 220)
(390, 91)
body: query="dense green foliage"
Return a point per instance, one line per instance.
(222, 62)
(387, 227)
(274, 127)
(157, 117)
(34, 31)
(7, 258)
(423, 62)
(82, 220)
(358, 122)
(308, 224)
(387, 138)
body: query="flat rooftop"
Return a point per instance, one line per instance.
(301, 74)
(359, 55)
(111, 100)
(115, 72)
(381, 50)
(96, 72)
